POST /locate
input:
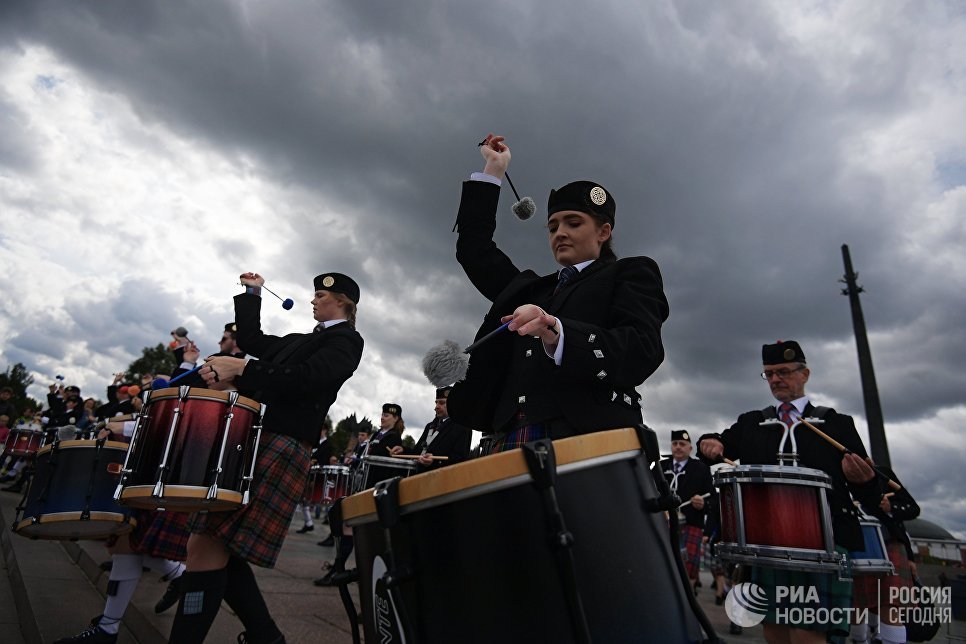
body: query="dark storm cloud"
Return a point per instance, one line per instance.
(728, 142)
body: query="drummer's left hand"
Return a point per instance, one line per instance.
(104, 433)
(884, 505)
(425, 459)
(697, 502)
(221, 369)
(530, 319)
(398, 449)
(856, 470)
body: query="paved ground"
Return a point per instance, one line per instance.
(51, 589)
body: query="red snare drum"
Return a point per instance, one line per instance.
(777, 517)
(192, 449)
(336, 483)
(70, 493)
(23, 441)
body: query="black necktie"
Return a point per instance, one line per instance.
(566, 273)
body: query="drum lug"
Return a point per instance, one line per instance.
(158, 490)
(212, 492)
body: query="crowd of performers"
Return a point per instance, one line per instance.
(578, 344)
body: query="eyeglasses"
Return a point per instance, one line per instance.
(768, 374)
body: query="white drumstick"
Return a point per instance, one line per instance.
(435, 458)
(703, 496)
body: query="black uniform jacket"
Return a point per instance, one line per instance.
(752, 444)
(380, 443)
(452, 441)
(694, 480)
(611, 312)
(903, 508)
(297, 376)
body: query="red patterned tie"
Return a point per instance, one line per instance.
(785, 413)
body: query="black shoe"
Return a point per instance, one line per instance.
(327, 579)
(93, 635)
(734, 629)
(170, 596)
(718, 600)
(328, 542)
(13, 488)
(303, 530)
(106, 565)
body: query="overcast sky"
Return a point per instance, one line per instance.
(152, 151)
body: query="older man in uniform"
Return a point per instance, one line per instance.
(786, 372)
(690, 479)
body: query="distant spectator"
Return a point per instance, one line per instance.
(7, 407)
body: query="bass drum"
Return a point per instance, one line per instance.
(477, 544)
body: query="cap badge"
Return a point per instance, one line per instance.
(789, 354)
(598, 196)
(328, 281)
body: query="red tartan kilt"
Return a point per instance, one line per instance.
(161, 534)
(691, 548)
(257, 531)
(866, 587)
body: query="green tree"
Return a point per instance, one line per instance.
(18, 379)
(153, 360)
(348, 426)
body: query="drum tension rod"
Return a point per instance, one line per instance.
(666, 501)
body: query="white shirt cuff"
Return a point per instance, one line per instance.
(489, 178)
(558, 352)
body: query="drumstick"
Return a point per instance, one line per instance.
(845, 450)
(703, 496)
(435, 458)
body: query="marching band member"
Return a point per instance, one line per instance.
(690, 479)
(785, 370)
(297, 377)
(441, 437)
(579, 342)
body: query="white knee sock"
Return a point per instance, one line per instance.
(168, 568)
(307, 514)
(125, 574)
(892, 634)
(859, 633)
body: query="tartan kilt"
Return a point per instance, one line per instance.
(691, 548)
(256, 531)
(832, 593)
(518, 438)
(161, 534)
(866, 587)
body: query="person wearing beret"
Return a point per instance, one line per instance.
(786, 372)
(875, 592)
(579, 341)
(389, 434)
(441, 437)
(297, 377)
(227, 346)
(690, 479)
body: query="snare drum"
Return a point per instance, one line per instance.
(23, 441)
(777, 517)
(192, 449)
(873, 559)
(373, 469)
(71, 493)
(477, 541)
(335, 485)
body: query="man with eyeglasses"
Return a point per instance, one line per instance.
(786, 372)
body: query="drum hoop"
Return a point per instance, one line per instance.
(495, 472)
(186, 492)
(75, 444)
(388, 461)
(73, 515)
(338, 469)
(199, 393)
(772, 474)
(768, 554)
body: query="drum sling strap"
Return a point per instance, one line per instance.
(542, 463)
(668, 502)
